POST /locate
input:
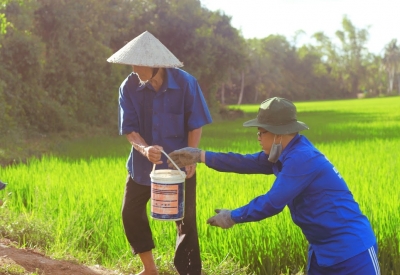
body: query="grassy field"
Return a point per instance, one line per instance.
(69, 203)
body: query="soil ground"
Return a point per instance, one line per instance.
(31, 261)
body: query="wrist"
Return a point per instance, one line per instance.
(139, 148)
(202, 156)
(235, 218)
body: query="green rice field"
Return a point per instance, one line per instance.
(69, 203)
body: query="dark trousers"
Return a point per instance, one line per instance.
(137, 229)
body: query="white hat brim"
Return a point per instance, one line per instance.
(145, 50)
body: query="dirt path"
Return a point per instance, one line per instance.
(35, 261)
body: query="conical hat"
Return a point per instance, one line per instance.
(145, 50)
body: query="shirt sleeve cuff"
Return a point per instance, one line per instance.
(236, 217)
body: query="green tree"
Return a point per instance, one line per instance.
(353, 51)
(345, 63)
(77, 77)
(374, 82)
(276, 69)
(314, 75)
(3, 20)
(333, 61)
(21, 68)
(391, 63)
(204, 40)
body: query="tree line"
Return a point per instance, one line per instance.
(54, 75)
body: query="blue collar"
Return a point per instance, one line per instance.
(289, 146)
(169, 83)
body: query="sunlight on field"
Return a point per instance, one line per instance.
(80, 199)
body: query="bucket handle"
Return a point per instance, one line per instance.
(176, 166)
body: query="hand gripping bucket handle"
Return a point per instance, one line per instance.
(167, 193)
(176, 166)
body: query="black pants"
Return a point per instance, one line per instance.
(137, 229)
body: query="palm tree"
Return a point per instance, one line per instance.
(391, 63)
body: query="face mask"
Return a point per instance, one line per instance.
(275, 153)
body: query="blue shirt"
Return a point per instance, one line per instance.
(161, 118)
(319, 200)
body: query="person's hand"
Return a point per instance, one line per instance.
(190, 170)
(184, 157)
(222, 219)
(153, 154)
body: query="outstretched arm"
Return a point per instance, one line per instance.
(224, 162)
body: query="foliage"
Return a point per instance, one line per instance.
(3, 20)
(24, 229)
(391, 63)
(204, 40)
(21, 68)
(55, 78)
(53, 58)
(279, 69)
(13, 269)
(347, 64)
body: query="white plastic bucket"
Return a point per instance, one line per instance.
(167, 193)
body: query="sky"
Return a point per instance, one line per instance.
(261, 18)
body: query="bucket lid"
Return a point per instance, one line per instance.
(168, 175)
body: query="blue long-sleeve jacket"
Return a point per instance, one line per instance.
(319, 200)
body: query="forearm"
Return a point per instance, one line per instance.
(203, 156)
(194, 141)
(151, 152)
(194, 137)
(137, 142)
(237, 163)
(257, 209)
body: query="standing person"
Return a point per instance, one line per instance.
(341, 239)
(161, 108)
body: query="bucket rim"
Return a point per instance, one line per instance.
(175, 173)
(166, 175)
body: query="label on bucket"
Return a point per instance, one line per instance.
(165, 199)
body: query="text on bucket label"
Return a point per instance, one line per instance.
(164, 199)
